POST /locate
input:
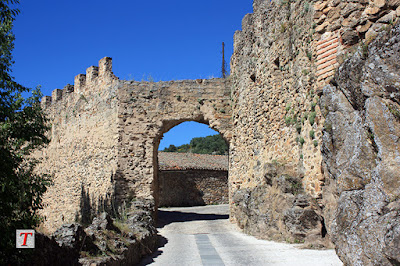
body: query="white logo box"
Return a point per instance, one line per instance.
(25, 238)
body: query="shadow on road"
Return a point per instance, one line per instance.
(167, 217)
(162, 241)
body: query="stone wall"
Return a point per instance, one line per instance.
(105, 136)
(355, 20)
(82, 154)
(275, 158)
(281, 186)
(193, 187)
(106, 132)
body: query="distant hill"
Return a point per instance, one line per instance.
(214, 144)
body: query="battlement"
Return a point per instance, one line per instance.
(94, 77)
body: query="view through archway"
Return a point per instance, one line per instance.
(192, 167)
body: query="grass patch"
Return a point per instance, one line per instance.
(288, 120)
(312, 134)
(315, 143)
(312, 118)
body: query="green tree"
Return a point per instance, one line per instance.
(214, 144)
(171, 148)
(22, 130)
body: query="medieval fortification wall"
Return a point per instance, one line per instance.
(308, 159)
(105, 136)
(295, 176)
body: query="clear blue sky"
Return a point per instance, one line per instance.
(167, 40)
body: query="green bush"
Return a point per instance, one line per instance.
(312, 134)
(313, 105)
(312, 117)
(288, 120)
(298, 127)
(315, 143)
(300, 140)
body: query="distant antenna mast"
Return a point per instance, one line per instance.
(223, 69)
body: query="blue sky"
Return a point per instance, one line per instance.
(167, 40)
(184, 132)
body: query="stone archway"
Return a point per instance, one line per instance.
(106, 130)
(147, 110)
(190, 180)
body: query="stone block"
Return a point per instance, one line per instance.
(69, 88)
(56, 95)
(379, 3)
(105, 66)
(80, 83)
(350, 37)
(364, 28)
(334, 3)
(388, 18)
(371, 10)
(394, 3)
(350, 8)
(91, 74)
(46, 101)
(333, 15)
(322, 28)
(319, 6)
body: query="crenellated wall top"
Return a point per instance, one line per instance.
(95, 77)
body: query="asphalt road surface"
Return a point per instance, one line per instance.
(204, 236)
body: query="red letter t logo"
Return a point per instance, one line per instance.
(25, 238)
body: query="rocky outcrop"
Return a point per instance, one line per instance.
(361, 151)
(106, 241)
(122, 241)
(279, 209)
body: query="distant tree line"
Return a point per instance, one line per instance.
(214, 144)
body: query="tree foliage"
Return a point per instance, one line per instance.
(22, 130)
(214, 144)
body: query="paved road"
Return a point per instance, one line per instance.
(204, 236)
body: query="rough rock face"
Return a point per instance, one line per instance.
(48, 252)
(73, 236)
(361, 151)
(280, 209)
(106, 241)
(122, 242)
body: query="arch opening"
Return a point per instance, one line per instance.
(183, 176)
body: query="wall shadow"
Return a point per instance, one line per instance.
(167, 217)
